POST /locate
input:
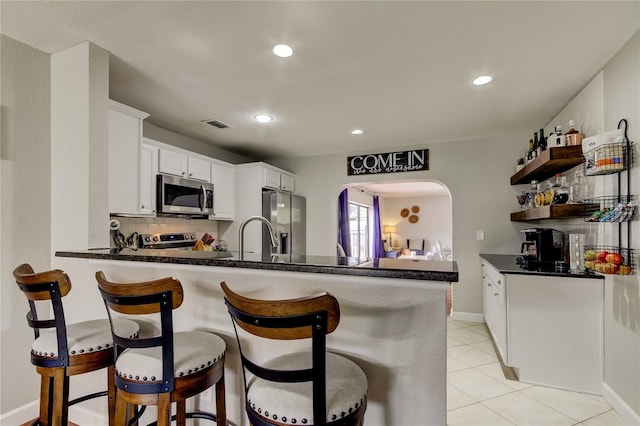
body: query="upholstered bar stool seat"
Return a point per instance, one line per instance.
(193, 351)
(292, 403)
(83, 337)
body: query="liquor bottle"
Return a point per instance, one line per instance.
(534, 152)
(529, 152)
(542, 142)
(573, 136)
(556, 139)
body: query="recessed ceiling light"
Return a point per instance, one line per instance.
(263, 118)
(282, 50)
(483, 79)
(357, 132)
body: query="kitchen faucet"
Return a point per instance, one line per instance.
(274, 239)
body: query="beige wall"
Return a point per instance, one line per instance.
(25, 206)
(434, 219)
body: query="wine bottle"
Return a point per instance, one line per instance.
(542, 142)
(534, 153)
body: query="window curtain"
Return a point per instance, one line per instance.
(344, 239)
(378, 245)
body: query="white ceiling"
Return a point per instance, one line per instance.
(401, 71)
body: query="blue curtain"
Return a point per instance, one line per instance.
(343, 222)
(378, 245)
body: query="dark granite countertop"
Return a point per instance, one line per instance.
(428, 270)
(506, 264)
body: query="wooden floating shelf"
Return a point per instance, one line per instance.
(555, 211)
(550, 162)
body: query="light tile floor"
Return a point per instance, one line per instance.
(478, 393)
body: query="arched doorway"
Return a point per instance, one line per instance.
(418, 212)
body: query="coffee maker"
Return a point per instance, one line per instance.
(543, 249)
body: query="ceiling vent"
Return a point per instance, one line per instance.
(216, 123)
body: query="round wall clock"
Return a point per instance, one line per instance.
(404, 212)
(413, 218)
(415, 209)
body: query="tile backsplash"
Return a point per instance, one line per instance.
(164, 225)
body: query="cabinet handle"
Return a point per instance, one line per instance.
(496, 294)
(488, 284)
(499, 282)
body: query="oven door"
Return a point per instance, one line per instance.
(184, 196)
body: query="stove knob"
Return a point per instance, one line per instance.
(193, 236)
(155, 238)
(147, 238)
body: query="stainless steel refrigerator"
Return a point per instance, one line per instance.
(287, 214)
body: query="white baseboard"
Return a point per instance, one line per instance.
(77, 414)
(21, 414)
(621, 407)
(467, 316)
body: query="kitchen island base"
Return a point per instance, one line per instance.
(394, 329)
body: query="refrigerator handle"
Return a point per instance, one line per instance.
(284, 243)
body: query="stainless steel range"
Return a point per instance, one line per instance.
(182, 240)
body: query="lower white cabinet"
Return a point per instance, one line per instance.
(224, 196)
(495, 307)
(548, 328)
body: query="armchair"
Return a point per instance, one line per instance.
(416, 245)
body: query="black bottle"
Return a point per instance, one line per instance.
(542, 141)
(536, 146)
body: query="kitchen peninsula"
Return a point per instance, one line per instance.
(393, 319)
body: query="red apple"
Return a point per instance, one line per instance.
(614, 258)
(602, 256)
(610, 268)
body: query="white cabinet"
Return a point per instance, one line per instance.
(549, 328)
(287, 182)
(125, 136)
(199, 168)
(173, 163)
(180, 163)
(148, 172)
(556, 330)
(224, 196)
(495, 306)
(278, 179)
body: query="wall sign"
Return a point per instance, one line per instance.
(388, 162)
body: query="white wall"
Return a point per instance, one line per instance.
(434, 219)
(622, 295)
(475, 171)
(25, 207)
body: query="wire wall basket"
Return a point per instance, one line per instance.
(608, 159)
(610, 260)
(612, 209)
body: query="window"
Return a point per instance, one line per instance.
(359, 230)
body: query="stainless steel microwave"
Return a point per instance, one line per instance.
(176, 195)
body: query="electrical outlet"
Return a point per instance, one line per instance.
(207, 395)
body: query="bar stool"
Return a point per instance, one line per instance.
(166, 368)
(297, 388)
(68, 349)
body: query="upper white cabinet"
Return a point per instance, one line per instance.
(125, 136)
(224, 195)
(148, 172)
(173, 162)
(277, 179)
(181, 163)
(199, 168)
